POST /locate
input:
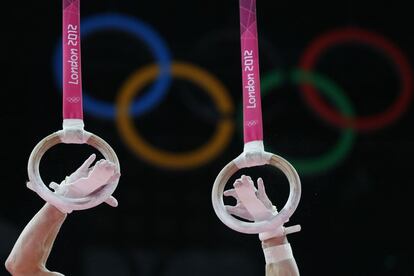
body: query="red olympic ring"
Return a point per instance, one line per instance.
(366, 123)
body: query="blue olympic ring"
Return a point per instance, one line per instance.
(139, 30)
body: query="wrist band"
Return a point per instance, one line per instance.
(278, 253)
(279, 232)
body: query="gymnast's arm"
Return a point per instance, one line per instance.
(285, 267)
(32, 248)
(276, 248)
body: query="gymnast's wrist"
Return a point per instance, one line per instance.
(275, 241)
(276, 251)
(54, 211)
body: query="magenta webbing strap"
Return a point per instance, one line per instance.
(252, 109)
(72, 80)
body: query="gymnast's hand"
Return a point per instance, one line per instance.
(254, 205)
(86, 180)
(244, 189)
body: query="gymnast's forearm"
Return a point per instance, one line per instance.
(280, 264)
(32, 248)
(282, 268)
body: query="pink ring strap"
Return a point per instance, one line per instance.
(252, 109)
(72, 73)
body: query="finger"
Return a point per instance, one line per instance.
(104, 165)
(237, 183)
(247, 180)
(101, 173)
(231, 192)
(88, 162)
(109, 163)
(239, 211)
(112, 201)
(231, 209)
(243, 184)
(110, 166)
(261, 194)
(260, 186)
(261, 191)
(114, 178)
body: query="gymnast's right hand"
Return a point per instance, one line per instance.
(86, 180)
(253, 204)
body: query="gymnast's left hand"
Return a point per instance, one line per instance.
(86, 180)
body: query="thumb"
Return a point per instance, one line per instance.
(261, 194)
(88, 162)
(231, 192)
(112, 201)
(114, 178)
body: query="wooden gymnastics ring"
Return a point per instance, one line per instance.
(45, 193)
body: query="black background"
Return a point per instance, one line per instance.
(355, 216)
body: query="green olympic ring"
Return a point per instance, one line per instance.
(329, 159)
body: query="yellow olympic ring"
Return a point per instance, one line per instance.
(193, 158)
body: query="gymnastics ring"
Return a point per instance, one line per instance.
(367, 123)
(57, 200)
(163, 158)
(336, 95)
(262, 226)
(139, 30)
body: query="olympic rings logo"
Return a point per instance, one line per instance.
(310, 82)
(73, 100)
(368, 123)
(252, 123)
(138, 30)
(334, 93)
(212, 86)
